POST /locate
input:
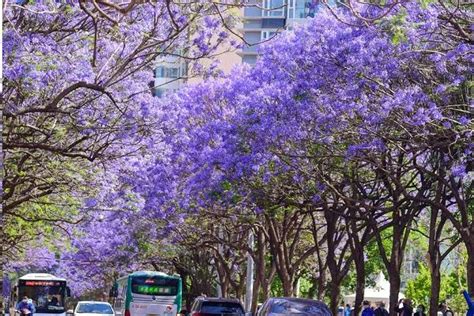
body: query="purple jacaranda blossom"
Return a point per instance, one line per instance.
(458, 171)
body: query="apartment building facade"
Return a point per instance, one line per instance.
(264, 19)
(170, 73)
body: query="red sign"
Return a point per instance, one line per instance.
(41, 283)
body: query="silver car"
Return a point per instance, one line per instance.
(285, 306)
(93, 308)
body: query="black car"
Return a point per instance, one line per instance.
(281, 306)
(210, 306)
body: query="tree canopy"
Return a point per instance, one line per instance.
(348, 131)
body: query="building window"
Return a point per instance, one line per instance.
(301, 9)
(184, 70)
(160, 72)
(158, 92)
(291, 9)
(266, 35)
(273, 8)
(172, 72)
(165, 72)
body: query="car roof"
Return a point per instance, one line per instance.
(218, 299)
(306, 301)
(93, 302)
(297, 299)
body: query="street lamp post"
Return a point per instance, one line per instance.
(250, 271)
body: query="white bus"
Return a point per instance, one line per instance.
(147, 293)
(47, 292)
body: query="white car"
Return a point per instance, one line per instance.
(93, 308)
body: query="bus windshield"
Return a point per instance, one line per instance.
(155, 285)
(47, 296)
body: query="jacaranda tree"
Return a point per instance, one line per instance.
(349, 124)
(77, 100)
(388, 97)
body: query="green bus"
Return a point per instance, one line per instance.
(147, 293)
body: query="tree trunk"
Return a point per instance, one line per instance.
(435, 256)
(360, 285)
(263, 275)
(335, 297)
(435, 288)
(333, 262)
(322, 285)
(287, 283)
(394, 278)
(225, 287)
(256, 289)
(357, 248)
(265, 291)
(470, 267)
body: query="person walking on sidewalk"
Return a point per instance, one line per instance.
(347, 310)
(420, 310)
(445, 310)
(404, 308)
(380, 310)
(366, 309)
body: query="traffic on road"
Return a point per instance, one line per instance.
(142, 293)
(152, 293)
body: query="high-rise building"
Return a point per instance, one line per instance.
(264, 19)
(261, 21)
(170, 74)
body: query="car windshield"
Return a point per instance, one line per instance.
(221, 308)
(286, 307)
(94, 308)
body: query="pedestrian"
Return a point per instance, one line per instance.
(25, 307)
(470, 303)
(404, 308)
(444, 309)
(420, 310)
(380, 310)
(366, 309)
(347, 310)
(30, 301)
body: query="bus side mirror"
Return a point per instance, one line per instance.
(68, 291)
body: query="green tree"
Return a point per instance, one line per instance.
(453, 280)
(418, 289)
